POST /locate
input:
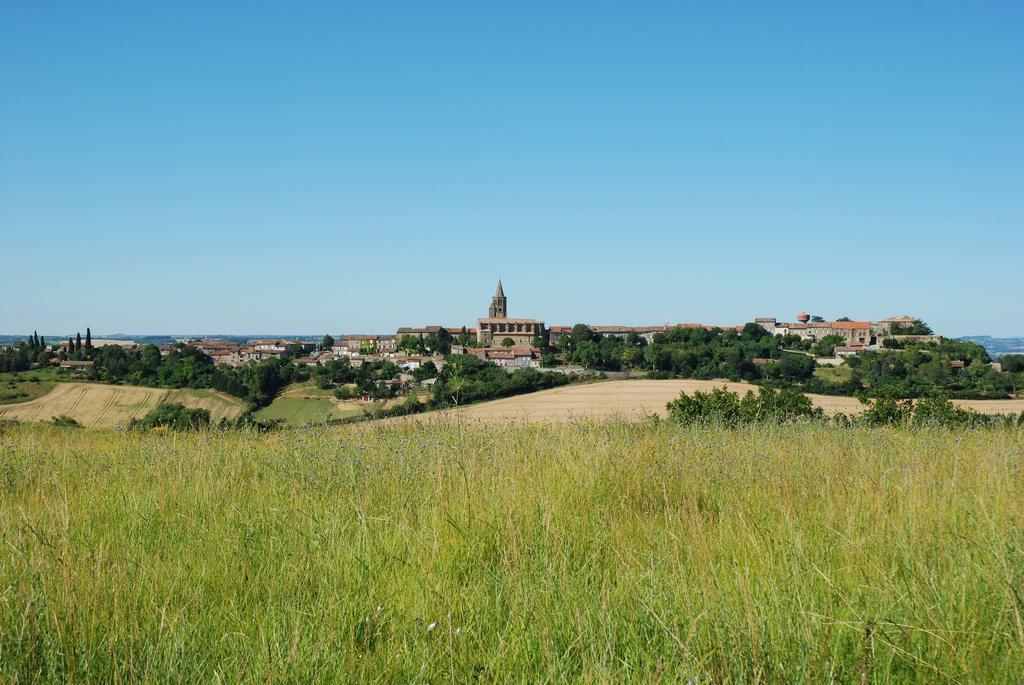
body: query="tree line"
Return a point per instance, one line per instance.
(954, 368)
(722, 408)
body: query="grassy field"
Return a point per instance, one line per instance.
(588, 552)
(24, 386)
(305, 404)
(295, 412)
(108, 406)
(834, 374)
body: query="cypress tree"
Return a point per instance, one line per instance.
(78, 342)
(42, 342)
(88, 338)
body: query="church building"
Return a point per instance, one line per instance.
(497, 327)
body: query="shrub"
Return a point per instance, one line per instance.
(936, 411)
(939, 411)
(65, 420)
(885, 411)
(346, 393)
(717, 406)
(722, 407)
(175, 417)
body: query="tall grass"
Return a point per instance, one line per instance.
(615, 552)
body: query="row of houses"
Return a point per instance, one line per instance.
(515, 357)
(857, 335)
(233, 354)
(645, 332)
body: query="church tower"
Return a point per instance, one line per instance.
(499, 304)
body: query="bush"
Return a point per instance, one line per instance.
(722, 407)
(934, 411)
(885, 411)
(346, 393)
(175, 417)
(792, 367)
(939, 411)
(65, 420)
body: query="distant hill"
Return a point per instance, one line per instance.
(160, 339)
(997, 347)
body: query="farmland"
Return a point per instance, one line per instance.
(25, 386)
(635, 399)
(604, 552)
(304, 404)
(107, 406)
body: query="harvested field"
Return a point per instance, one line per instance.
(108, 406)
(635, 399)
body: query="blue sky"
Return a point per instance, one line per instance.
(310, 167)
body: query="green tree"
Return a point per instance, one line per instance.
(823, 347)
(725, 408)
(508, 342)
(916, 328)
(1013, 363)
(425, 371)
(438, 343)
(753, 331)
(411, 343)
(88, 338)
(176, 417)
(78, 342)
(327, 342)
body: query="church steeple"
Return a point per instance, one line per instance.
(499, 304)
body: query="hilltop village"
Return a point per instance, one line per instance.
(512, 342)
(501, 355)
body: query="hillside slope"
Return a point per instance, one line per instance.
(108, 406)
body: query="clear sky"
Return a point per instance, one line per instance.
(309, 167)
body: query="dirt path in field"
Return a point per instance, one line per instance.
(636, 399)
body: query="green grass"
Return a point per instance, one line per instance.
(593, 553)
(834, 374)
(22, 386)
(296, 411)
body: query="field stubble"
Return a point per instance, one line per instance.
(596, 552)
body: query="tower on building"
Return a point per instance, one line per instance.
(499, 304)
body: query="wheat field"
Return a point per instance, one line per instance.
(100, 405)
(637, 399)
(588, 552)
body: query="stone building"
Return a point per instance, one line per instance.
(497, 326)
